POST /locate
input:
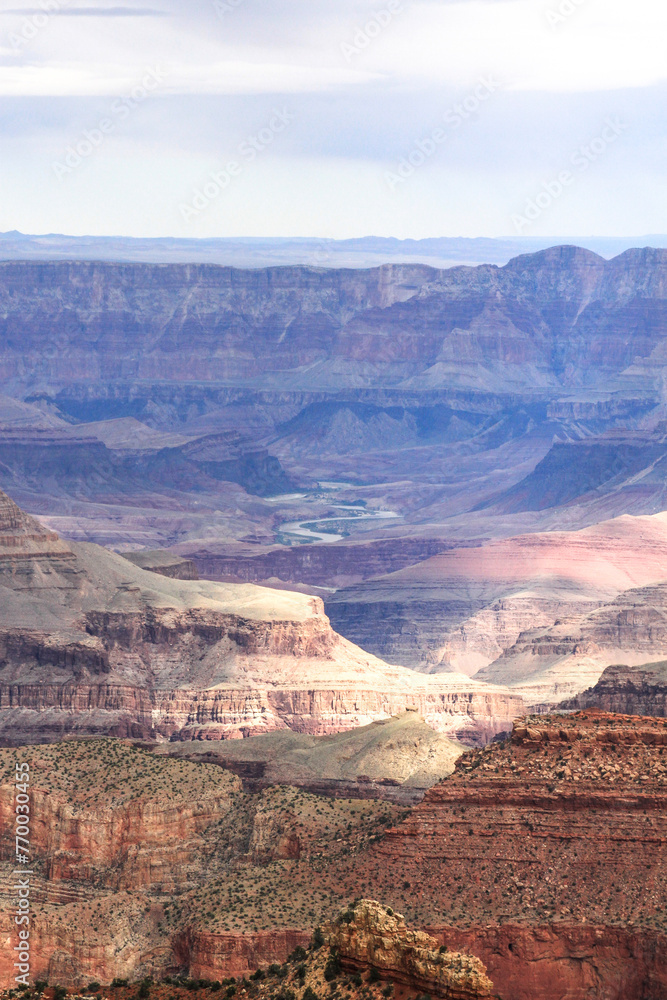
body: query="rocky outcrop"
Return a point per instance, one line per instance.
(627, 690)
(369, 935)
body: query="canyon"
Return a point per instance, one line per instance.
(91, 643)
(332, 595)
(362, 435)
(541, 855)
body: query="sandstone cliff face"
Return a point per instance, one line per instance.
(411, 318)
(573, 961)
(368, 935)
(545, 857)
(146, 865)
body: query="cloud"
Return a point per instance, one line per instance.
(355, 113)
(87, 12)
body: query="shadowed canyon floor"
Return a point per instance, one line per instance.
(544, 856)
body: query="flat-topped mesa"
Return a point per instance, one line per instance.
(369, 935)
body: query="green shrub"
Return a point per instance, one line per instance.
(299, 953)
(310, 994)
(373, 975)
(93, 987)
(318, 938)
(332, 968)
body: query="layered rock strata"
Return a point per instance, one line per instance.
(126, 849)
(91, 643)
(544, 613)
(628, 690)
(369, 935)
(545, 853)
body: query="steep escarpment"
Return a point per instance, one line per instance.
(414, 320)
(538, 850)
(128, 852)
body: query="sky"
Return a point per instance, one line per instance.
(333, 118)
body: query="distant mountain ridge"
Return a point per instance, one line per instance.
(366, 251)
